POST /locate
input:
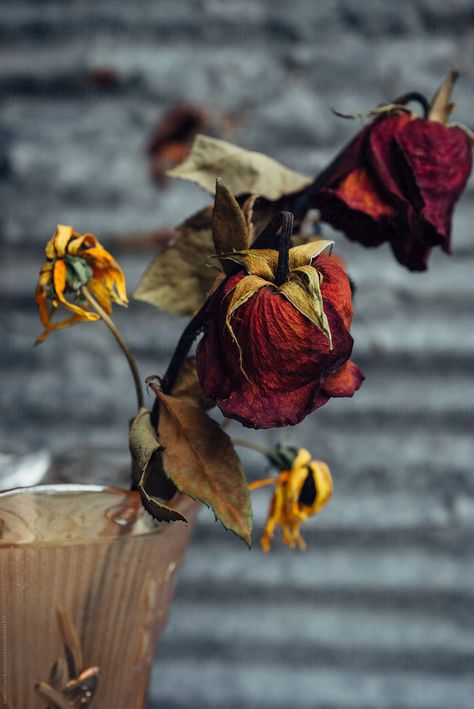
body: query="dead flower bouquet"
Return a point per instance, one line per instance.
(270, 303)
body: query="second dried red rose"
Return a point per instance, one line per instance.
(398, 181)
(272, 354)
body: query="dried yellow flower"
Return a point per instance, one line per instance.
(75, 262)
(300, 493)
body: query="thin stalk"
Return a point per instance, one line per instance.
(284, 244)
(267, 452)
(122, 344)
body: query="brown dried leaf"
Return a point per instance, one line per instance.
(179, 278)
(201, 461)
(187, 387)
(243, 171)
(248, 211)
(229, 227)
(144, 447)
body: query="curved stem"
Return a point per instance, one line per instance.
(123, 345)
(414, 96)
(267, 452)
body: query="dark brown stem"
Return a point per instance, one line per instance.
(185, 342)
(414, 96)
(123, 345)
(284, 244)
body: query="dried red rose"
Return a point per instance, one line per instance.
(398, 182)
(272, 353)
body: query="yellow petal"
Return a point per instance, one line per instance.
(323, 483)
(303, 290)
(304, 254)
(56, 247)
(76, 244)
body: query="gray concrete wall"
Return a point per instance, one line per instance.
(378, 613)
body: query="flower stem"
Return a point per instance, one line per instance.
(123, 345)
(267, 452)
(284, 244)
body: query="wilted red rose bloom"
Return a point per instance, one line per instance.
(272, 354)
(398, 182)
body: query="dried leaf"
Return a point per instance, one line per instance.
(303, 290)
(243, 171)
(179, 278)
(248, 212)
(187, 387)
(201, 461)
(229, 227)
(144, 444)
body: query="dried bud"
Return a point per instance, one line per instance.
(272, 353)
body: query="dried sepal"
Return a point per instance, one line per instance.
(303, 290)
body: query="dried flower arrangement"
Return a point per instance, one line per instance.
(274, 314)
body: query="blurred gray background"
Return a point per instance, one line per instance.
(378, 613)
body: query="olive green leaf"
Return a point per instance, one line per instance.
(201, 461)
(179, 278)
(243, 171)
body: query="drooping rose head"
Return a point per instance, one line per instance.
(272, 353)
(399, 180)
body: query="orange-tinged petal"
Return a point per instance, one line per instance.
(53, 327)
(42, 305)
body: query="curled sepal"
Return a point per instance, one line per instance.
(145, 447)
(257, 262)
(201, 461)
(304, 254)
(303, 290)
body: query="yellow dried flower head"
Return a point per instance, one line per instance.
(300, 492)
(75, 262)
